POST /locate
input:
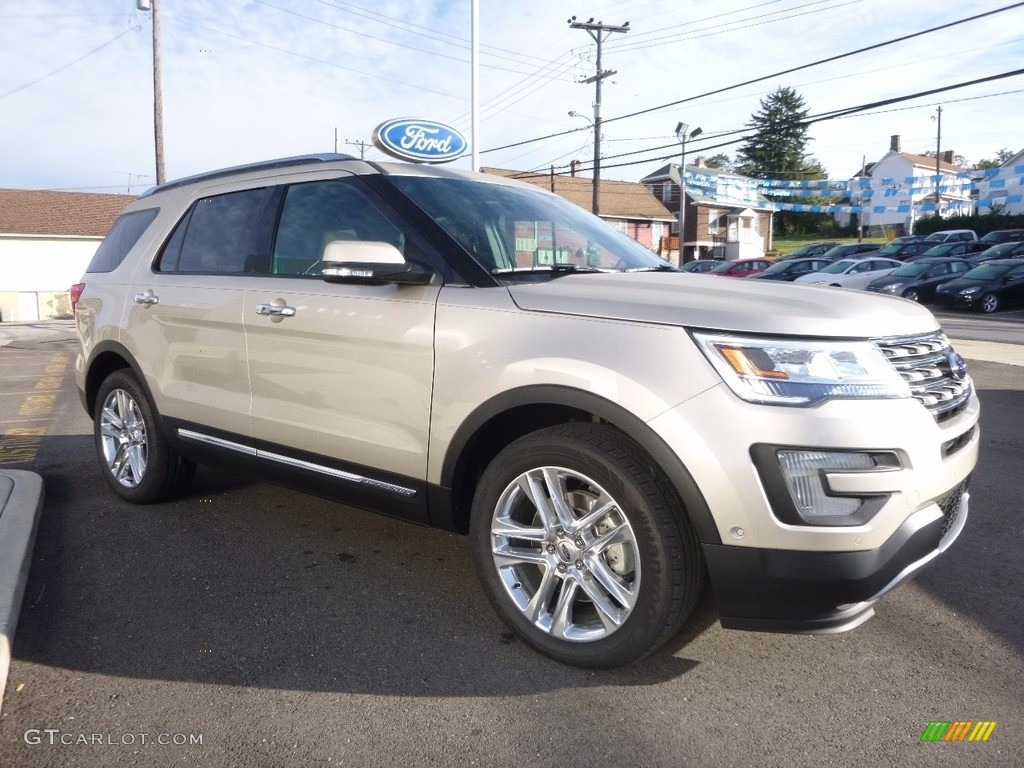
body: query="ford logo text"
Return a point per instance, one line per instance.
(421, 141)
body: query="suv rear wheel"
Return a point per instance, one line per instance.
(134, 455)
(583, 549)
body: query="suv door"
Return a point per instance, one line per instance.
(184, 315)
(341, 374)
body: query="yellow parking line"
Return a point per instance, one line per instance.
(30, 392)
(29, 421)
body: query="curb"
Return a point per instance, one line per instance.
(21, 501)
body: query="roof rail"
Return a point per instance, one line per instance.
(266, 165)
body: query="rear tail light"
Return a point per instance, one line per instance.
(76, 294)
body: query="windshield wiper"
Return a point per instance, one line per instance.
(658, 268)
(556, 269)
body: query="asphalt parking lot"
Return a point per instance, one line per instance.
(248, 625)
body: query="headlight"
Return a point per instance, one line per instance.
(891, 287)
(969, 291)
(801, 372)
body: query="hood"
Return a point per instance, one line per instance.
(706, 301)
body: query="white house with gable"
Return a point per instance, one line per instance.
(899, 188)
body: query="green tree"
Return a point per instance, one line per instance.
(777, 149)
(994, 162)
(720, 162)
(778, 146)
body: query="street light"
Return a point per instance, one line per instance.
(681, 134)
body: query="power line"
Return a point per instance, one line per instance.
(97, 49)
(773, 75)
(835, 114)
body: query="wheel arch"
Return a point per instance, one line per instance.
(512, 414)
(107, 357)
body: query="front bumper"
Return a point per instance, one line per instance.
(772, 590)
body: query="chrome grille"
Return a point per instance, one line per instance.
(927, 364)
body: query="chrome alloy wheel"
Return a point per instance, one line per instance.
(566, 554)
(123, 436)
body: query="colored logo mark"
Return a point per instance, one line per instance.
(958, 730)
(421, 141)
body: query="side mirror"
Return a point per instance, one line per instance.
(370, 263)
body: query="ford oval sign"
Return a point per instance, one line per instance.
(421, 141)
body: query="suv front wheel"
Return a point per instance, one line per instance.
(583, 549)
(133, 453)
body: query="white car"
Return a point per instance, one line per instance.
(851, 273)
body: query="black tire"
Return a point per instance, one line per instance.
(133, 453)
(912, 294)
(655, 564)
(989, 303)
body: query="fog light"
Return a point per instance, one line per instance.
(805, 474)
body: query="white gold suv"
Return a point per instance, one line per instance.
(471, 353)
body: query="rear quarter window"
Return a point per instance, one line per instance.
(121, 238)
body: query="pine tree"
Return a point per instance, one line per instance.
(778, 150)
(778, 147)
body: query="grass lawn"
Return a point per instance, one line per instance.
(787, 243)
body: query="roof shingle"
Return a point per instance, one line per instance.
(44, 212)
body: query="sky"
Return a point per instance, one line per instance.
(251, 80)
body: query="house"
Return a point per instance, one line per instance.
(1002, 189)
(46, 241)
(626, 205)
(899, 188)
(726, 217)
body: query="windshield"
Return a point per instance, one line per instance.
(891, 248)
(998, 251)
(838, 267)
(782, 266)
(987, 271)
(940, 250)
(510, 229)
(911, 270)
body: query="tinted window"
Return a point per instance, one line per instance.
(320, 212)
(508, 227)
(226, 234)
(959, 266)
(122, 237)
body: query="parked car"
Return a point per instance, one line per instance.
(988, 287)
(849, 251)
(740, 268)
(699, 265)
(1004, 236)
(955, 248)
(851, 273)
(384, 334)
(917, 280)
(791, 269)
(904, 250)
(1008, 250)
(952, 236)
(806, 251)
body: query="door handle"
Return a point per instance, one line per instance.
(277, 310)
(146, 298)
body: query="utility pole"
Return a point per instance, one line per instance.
(938, 158)
(599, 32)
(158, 96)
(362, 147)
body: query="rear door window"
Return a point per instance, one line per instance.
(224, 234)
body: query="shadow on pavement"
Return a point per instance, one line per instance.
(245, 584)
